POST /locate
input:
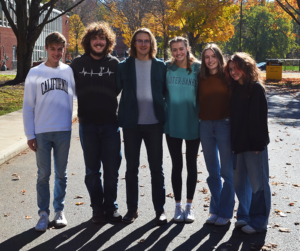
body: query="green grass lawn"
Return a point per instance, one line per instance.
(11, 97)
(290, 68)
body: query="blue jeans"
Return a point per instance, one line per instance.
(101, 143)
(152, 136)
(215, 139)
(60, 142)
(251, 183)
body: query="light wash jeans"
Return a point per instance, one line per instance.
(215, 139)
(60, 142)
(251, 183)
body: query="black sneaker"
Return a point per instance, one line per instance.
(114, 215)
(98, 217)
(160, 219)
(130, 216)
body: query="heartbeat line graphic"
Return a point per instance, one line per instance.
(99, 73)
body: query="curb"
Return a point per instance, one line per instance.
(18, 147)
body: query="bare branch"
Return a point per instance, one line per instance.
(7, 15)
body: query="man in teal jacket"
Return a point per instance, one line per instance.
(141, 114)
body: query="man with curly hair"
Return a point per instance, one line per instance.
(95, 78)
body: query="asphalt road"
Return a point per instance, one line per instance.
(17, 232)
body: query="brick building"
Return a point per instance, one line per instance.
(8, 41)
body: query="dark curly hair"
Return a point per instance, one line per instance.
(246, 65)
(98, 28)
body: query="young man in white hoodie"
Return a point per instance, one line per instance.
(47, 116)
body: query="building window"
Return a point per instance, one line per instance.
(14, 52)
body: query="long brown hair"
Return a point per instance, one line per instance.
(204, 72)
(98, 28)
(189, 56)
(153, 45)
(246, 65)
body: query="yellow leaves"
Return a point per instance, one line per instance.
(75, 33)
(79, 203)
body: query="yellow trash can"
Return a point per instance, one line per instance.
(274, 69)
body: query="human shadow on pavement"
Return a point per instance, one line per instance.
(243, 241)
(135, 236)
(216, 234)
(79, 236)
(19, 241)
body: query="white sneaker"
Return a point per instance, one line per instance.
(189, 214)
(60, 219)
(248, 230)
(221, 221)
(240, 223)
(42, 224)
(179, 214)
(212, 219)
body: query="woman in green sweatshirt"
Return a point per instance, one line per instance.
(182, 123)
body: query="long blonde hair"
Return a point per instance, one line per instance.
(189, 56)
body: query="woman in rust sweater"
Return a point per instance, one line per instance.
(214, 100)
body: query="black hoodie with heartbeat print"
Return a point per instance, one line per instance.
(96, 89)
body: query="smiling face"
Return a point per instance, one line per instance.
(55, 52)
(179, 51)
(211, 61)
(235, 74)
(142, 44)
(98, 46)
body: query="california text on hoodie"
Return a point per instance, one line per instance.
(48, 100)
(96, 89)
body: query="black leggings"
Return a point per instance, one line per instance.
(175, 149)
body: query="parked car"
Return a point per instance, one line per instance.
(262, 66)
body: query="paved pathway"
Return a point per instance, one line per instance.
(17, 233)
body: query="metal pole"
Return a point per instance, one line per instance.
(241, 16)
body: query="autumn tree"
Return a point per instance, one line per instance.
(291, 7)
(202, 20)
(31, 18)
(75, 32)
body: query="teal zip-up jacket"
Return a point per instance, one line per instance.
(126, 81)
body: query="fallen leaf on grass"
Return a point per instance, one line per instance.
(288, 164)
(273, 194)
(28, 217)
(6, 215)
(291, 204)
(79, 203)
(23, 192)
(141, 241)
(296, 185)
(123, 178)
(73, 173)
(143, 166)
(78, 196)
(198, 181)
(199, 172)
(286, 230)
(206, 205)
(141, 185)
(142, 194)
(170, 195)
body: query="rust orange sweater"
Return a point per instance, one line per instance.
(214, 98)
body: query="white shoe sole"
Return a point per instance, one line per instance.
(178, 220)
(60, 224)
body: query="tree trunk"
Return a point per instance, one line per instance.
(166, 46)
